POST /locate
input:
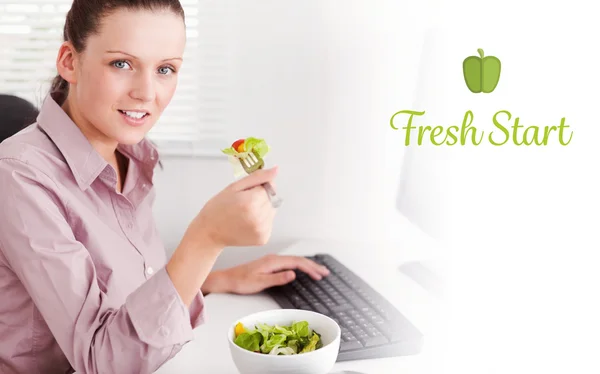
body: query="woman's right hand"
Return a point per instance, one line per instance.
(239, 215)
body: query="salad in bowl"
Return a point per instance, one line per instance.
(284, 341)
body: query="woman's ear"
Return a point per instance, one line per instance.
(66, 62)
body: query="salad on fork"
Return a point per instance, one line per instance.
(246, 156)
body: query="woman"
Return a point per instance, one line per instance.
(84, 280)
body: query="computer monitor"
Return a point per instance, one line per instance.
(430, 175)
(422, 192)
(425, 175)
(440, 186)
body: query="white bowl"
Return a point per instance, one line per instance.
(320, 361)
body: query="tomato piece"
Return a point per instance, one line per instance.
(237, 143)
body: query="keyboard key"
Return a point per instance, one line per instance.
(349, 345)
(318, 307)
(358, 332)
(340, 307)
(326, 300)
(374, 340)
(358, 302)
(393, 331)
(372, 331)
(296, 300)
(347, 336)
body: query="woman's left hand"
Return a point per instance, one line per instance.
(255, 276)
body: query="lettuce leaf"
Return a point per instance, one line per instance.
(312, 344)
(259, 146)
(249, 340)
(301, 329)
(275, 340)
(280, 340)
(229, 151)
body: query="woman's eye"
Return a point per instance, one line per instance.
(120, 64)
(165, 70)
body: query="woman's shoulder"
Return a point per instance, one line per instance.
(32, 148)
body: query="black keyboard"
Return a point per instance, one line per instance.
(371, 326)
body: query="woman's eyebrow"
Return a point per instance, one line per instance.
(130, 55)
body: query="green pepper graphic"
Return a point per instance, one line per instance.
(481, 73)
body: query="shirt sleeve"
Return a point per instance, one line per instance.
(59, 275)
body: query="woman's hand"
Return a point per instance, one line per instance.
(267, 271)
(239, 215)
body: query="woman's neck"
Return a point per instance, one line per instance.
(107, 148)
(104, 146)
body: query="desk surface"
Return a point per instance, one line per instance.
(209, 351)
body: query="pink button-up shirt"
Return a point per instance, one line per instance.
(83, 283)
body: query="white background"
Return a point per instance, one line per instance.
(522, 221)
(320, 79)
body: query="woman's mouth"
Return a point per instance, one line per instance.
(134, 117)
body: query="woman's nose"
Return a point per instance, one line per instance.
(143, 88)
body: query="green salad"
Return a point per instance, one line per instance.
(241, 147)
(278, 340)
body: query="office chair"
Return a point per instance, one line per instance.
(15, 114)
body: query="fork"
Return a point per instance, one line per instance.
(254, 162)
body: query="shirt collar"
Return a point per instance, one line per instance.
(85, 162)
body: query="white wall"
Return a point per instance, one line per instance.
(319, 82)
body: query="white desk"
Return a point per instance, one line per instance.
(209, 351)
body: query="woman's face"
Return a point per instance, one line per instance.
(127, 74)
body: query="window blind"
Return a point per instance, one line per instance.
(194, 123)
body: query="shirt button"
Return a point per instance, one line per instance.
(149, 270)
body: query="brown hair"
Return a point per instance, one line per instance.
(83, 20)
